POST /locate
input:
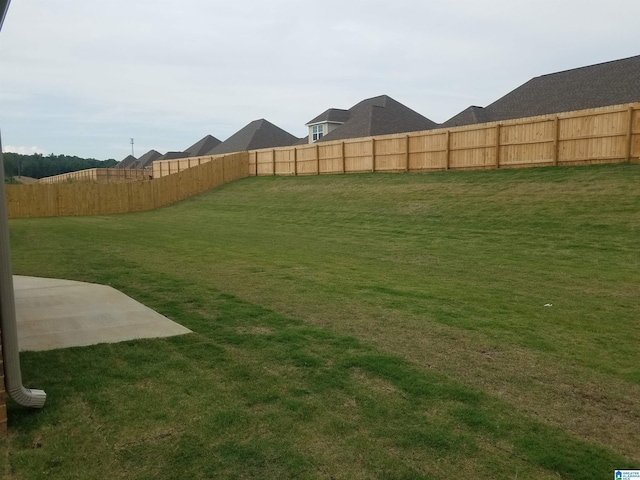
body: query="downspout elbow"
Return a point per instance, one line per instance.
(28, 397)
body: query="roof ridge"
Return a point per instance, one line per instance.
(587, 66)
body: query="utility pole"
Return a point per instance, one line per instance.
(132, 148)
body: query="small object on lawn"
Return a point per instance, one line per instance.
(548, 305)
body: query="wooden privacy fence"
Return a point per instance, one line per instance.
(100, 175)
(62, 199)
(602, 135)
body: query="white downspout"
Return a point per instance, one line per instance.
(8, 328)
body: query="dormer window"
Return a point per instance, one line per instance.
(317, 132)
(325, 123)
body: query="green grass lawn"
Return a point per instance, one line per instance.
(352, 326)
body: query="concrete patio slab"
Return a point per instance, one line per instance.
(54, 313)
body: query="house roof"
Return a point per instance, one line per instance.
(378, 116)
(600, 85)
(172, 155)
(147, 159)
(126, 162)
(254, 136)
(332, 115)
(202, 146)
(468, 116)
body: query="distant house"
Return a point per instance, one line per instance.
(600, 85)
(202, 146)
(127, 162)
(374, 116)
(254, 136)
(147, 159)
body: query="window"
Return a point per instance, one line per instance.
(317, 131)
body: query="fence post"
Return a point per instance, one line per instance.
(273, 157)
(448, 151)
(344, 160)
(629, 134)
(373, 154)
(406, 154)
(498, 146)
(556, 140)
(295, 161)
(317, 159)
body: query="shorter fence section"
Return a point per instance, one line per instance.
(64, 199)
(100, 175)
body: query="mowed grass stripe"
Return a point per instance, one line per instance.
(445, 273)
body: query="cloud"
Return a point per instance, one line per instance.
(22, 150)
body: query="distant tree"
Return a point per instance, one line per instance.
(38, 166)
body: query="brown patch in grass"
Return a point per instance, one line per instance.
(377, 385)
(149, 438)
(254, 330)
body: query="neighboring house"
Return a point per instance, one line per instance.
(374, 116)
(600, 85)
(254, 136)
(127, 162)
(202, 146)
(147, 159)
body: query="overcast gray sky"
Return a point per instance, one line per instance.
(82, 77)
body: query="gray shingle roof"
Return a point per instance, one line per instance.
(202, 146)
(126, 162)
(172, 155)
(256, 135)
(468, 116)
(332, 115)
(147, 159)
(610, 83)
(379, 116)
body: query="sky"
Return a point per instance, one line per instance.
(82, 77)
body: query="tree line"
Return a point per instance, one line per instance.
(39, 166)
